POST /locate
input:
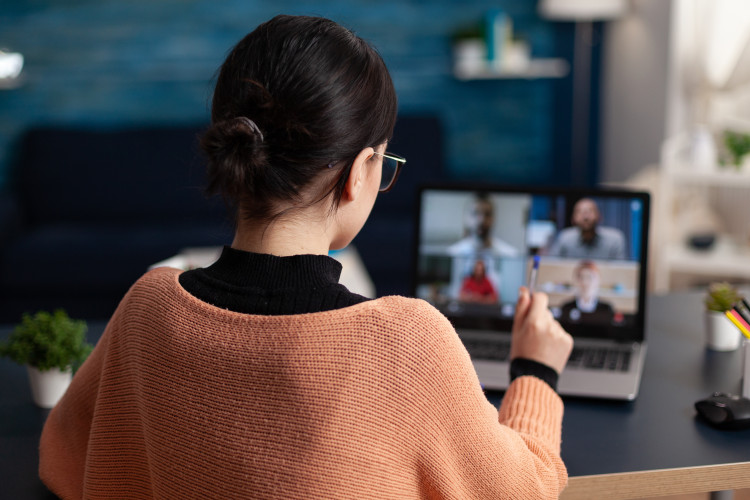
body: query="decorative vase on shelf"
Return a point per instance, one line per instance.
(703, 154)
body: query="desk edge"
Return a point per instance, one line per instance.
(652, 483)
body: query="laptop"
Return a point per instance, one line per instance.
(476, 245)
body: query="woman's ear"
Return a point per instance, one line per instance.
(357, 175)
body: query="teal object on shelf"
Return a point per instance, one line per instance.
(497, 33)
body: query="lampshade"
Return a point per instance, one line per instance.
(11, 64)
(582, 10)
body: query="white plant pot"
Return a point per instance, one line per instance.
(721, 334)
(47, 387)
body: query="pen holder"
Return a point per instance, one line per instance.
(746, 368)
(721, 334)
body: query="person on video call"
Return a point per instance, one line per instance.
(261, 376)
(477, 287)
(587, 239)
(586, 306)
(479, 216)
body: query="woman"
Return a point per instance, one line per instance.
(477, 287)
(261, 376)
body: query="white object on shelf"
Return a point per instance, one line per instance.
(703, 152)
(517, 56)
(535, 68)
(469, 56)
(724, 258)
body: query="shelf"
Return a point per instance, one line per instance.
(729, 257)
(726, 176)
(725, 258)
(537, 68)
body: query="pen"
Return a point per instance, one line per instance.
(533, 273)
(743, 310)
(740, 323)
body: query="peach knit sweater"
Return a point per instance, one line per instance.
(181, 399)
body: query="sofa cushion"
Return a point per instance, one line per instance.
(112, 176)
(70, 259)
(100, 206)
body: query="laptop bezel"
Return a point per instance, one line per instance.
(634, 334)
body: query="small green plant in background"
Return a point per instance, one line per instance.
(48, 340)
(721, 296)
(738, 145)
(470, 31)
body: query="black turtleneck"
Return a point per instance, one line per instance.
(253, 283)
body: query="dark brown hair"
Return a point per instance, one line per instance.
(297, 97)
(585, 264)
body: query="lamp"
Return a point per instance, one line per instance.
(583, 13)
(582, 10)
(727, 55)
(11, 64)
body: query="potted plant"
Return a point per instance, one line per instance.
(738, 146)
(52, 346)
(469, 50)
(721, 334)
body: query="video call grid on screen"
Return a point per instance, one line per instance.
(476, 247)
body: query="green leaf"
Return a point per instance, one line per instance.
(721, 296)
(48, 340)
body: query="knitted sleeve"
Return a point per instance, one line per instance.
(470, 450)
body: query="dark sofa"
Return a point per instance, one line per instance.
(88, 210)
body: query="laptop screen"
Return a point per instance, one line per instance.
(476, 247)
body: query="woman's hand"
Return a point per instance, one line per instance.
(536, 333)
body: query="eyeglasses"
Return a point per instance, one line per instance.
(391, 168)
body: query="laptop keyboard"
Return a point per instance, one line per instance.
(596, 358)
(599, 358)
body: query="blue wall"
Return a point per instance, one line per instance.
(123, 62)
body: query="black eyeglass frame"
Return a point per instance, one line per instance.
(400, 161)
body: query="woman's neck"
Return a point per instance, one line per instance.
(282, 238)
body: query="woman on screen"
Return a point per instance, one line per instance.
(477, 287)
(263, 377)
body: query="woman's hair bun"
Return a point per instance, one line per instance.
(235, 150)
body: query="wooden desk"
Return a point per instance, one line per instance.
(650, 447)
(654, 445)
